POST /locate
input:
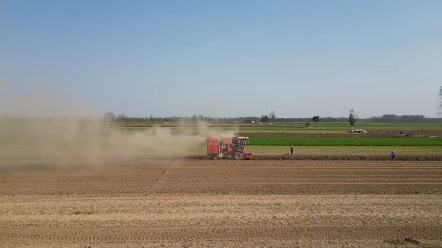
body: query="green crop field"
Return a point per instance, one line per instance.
(422, 144)
(288, 128)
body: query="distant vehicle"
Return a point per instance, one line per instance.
(358, 130)
(406, 133)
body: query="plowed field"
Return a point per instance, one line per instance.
(223, 203)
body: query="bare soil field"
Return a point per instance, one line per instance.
(338, 157)
(349, 157)
(223, 203)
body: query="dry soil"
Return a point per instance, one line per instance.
(223, 203)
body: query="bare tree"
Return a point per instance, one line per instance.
(109, 116)
(122, 117)
(439, 107)
(272, 116)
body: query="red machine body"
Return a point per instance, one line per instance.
(231, 147)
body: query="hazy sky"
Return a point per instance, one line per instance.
(224, 58)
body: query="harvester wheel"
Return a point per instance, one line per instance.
(215, 157)
(238, 155)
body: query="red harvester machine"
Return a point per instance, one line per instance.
(231, 147)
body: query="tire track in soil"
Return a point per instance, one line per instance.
(84, 180)
(162, 175)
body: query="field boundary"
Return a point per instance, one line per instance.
(335, 157)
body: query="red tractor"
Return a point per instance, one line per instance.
(232, 147)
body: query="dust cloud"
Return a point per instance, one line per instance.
(74, 140)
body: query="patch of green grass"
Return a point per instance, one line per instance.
(77, 212)
(346, 142)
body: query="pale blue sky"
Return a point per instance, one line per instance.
(225, 58)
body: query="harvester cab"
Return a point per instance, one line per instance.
(232, 147)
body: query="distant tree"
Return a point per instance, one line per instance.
(352, 117)
(109, 116)
(439, 107)
(272, 116)
(196, 118)
(315, 119)
(264, 118)
(122, 117)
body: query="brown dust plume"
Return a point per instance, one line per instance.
(32, 136)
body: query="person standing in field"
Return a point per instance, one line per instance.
(291, 151)
(392, 155)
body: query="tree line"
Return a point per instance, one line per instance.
(398, 118)
(270, 118)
